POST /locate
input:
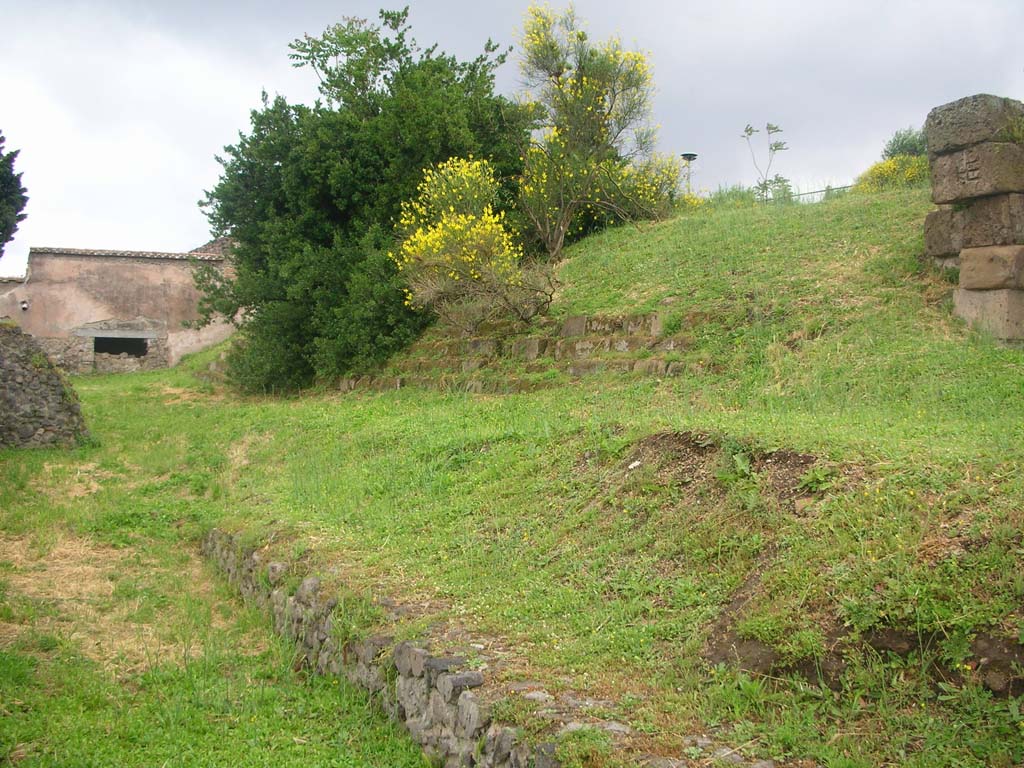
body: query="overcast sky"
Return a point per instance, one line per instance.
(119, 106)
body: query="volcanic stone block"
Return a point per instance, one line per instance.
(450, 685)
(997, 220)
(992, 268)
(985, 169)
(1001, 312)
(973, 120)
(574, 326)
(943, 232)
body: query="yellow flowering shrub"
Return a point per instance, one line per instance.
(459, 257)
(899, 172)
(591, 161)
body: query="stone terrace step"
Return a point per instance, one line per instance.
(631, 325)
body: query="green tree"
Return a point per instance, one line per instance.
(12, 196)
(311, 194)
(593, 160)
(907, 141)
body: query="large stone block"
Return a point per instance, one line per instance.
(978, 171)
(973, 120)
(943, 232)
(1001, 312)
(997, 220)
(992, 268)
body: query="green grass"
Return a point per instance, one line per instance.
(814, 328)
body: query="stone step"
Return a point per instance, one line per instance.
(534, 347)
(630, 325)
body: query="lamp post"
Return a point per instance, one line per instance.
(688, 157)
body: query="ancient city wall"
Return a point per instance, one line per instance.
(37, 407)
(976, 154)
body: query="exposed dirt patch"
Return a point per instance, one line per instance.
(782, 472)
(239, 452)
(180, 395)
(59, 482)
(693, 458)
(76, 582)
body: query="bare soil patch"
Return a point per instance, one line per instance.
(76, 582)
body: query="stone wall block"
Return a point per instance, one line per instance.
(276, 573)
(996, 220)
(604, 325)
(943, 232)
(992, 268)
(574, 326)
(368, 649)
(999, 312)
(473, 716)
(498, 745)
(969, 121)
(413, 694)
(530, 348)
(434, 666)
(978, 171)
(307, 591)
(544, 755)
(442, 713)
(521, 756)
(651, 367)
(410, 659)
(451, 685)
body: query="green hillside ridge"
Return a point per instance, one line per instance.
(839, 460)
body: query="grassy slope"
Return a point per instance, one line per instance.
(814, 328)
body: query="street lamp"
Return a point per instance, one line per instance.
(688, 157)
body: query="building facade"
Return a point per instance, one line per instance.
(96, 310)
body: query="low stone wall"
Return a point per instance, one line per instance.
(37, 406)
(72, 354)
(156, 357)
(440, 701)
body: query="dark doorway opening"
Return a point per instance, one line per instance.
(112, 346)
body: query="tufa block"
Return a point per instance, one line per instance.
(1000, 312)
(992, 268)
(943, 232)
(979, 171)
(973, 120)
(996, 220)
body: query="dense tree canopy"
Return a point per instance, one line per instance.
(311, 194)
(12, 196)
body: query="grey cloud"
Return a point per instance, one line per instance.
(119, 106)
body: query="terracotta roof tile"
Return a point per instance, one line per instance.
(199, 255)
(221, 246)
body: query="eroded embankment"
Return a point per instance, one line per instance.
(446, 686)
(446, 698)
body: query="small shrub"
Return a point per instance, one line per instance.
(1014, 131)
(900, 172)
(775, 188)
(459, 257)
(906, 142)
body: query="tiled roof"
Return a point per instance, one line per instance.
(200, 255)
(221, 246)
